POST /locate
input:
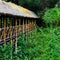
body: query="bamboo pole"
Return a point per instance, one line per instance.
(23, 26)
(19, 27)
(14, 27)
(35, 26)
(23, 30)
(2, 24)
(28, 26)
(4, 36)
(26, 30)
(0, 30)
(11, 35)
(31, 25)
(16, 37)
(11, 31)
(4, 31)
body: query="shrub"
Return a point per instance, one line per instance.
(52, 16)
(42, 45)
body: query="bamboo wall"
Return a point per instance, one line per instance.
(12, 27)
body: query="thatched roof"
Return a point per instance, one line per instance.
(15, 10)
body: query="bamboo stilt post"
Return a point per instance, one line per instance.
(11, 35)
(31, 28)
(14, 27)
(4, 31)
(23, 26)
(19, 27)
(2, 24)
(23, 29)
(35, 26)
(0, 30)
(28, 26)
(26, 29)
(32, 22)
(16, 37)
(31, 25)
(11, 31)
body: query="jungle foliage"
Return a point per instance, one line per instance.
(52, 16)
(42, 45)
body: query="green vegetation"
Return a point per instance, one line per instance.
(44, 44)
(52, 16)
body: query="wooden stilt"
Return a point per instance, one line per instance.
(16, 37)
(0, 30)
(11, 36)
(35, 26)
(19, 27)
(11, 31)
(2, 24)
(23, 26)
(26, 30)
(28, 26)
(4, 31)
(23, 29)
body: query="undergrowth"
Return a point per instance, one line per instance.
(42, 44)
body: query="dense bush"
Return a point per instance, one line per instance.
(42, 45)
(52, 16)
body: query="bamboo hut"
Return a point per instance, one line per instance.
(14, 20)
